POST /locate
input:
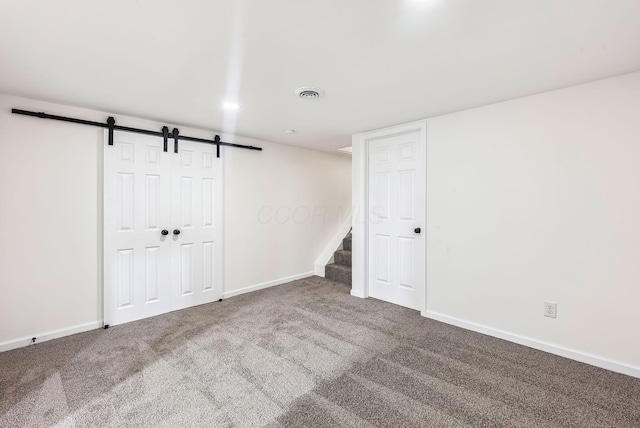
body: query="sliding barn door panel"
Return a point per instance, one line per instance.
(137, 197)
(196, 261)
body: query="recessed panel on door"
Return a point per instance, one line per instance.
(125, 278)
(382, 246)
(152, 267)
(186, 201)
(208, 263)
(186, 259)
(125, 152)
(406, 151)
(187, 158)
(405, 261)
(207, 202)
(406, 201)
(153, 155)
(125, 200)
(380, 155)
(382, 195)
(207, 160)
(152, 207)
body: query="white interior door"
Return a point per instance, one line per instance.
(137, 198)
(196, 214)
(396, 244)
(148, 191)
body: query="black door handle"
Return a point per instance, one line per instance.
(176, 231)
(164, 232)
(417, 230)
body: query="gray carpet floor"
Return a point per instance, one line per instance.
(304, 354)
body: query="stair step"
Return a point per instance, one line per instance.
(346, 244)
(342, 257)
(338, 273)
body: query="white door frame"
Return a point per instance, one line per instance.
(360, 198)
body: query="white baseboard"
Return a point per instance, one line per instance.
(43, 337)
(583, 357)
(319, 269)
(357, 293)
(267, 284)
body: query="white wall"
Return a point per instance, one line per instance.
(51, 218)
(539, 199)
(282, 205)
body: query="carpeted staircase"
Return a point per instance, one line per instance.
(340, 269)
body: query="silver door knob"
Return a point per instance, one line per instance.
(176, 231)
(164, 232)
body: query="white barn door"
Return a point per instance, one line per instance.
(149, 194)
(196, 267)
(137, 202)
(396, 219)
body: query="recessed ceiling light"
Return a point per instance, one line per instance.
(290, 131)
(230, 106)
(309, 93)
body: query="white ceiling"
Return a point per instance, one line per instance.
(380, 62)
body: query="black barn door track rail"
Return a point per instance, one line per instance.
(111, 126)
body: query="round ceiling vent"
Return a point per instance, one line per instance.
(309, 93)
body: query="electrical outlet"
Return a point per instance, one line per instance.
(550, 309)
